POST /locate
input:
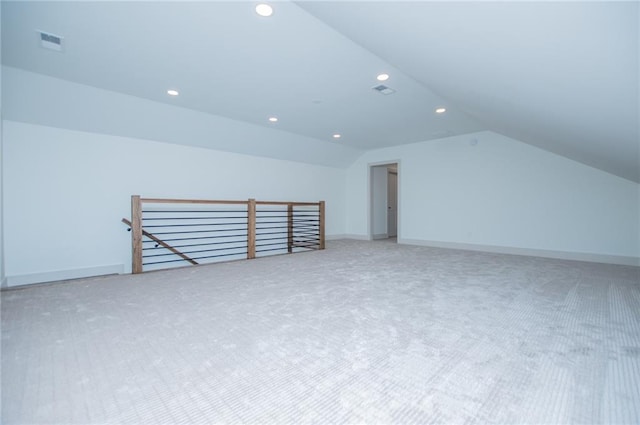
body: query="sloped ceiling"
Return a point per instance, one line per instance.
(560, 76)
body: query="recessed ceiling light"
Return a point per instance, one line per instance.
(383, 77)
(273, 119)
(172, 92)
(337, 136)
(264, 9)
(441, 110)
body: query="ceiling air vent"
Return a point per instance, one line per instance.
(384, 89)
(50, 41)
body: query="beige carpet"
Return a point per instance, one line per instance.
(363, 332)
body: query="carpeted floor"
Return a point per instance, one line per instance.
(363, 332)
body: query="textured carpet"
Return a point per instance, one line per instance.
(363, 332)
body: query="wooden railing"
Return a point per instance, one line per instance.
(195, 231)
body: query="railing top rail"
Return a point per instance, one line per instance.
(190, 201)
(300, 204)
(216, 201)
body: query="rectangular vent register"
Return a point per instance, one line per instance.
(50, 41)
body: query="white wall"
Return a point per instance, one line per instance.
(506, 196)
(66, 192)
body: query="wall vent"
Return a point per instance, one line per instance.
(50, 41)
(384, 89)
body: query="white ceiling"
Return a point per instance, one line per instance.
(560, 76)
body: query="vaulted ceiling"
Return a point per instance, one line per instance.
(562, 76)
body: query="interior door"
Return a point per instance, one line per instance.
(392, 204)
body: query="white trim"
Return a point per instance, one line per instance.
(387, 162)
(370, 166)
(51, 276)
(357, 237)
(562, 255)
(380, 236)
(335, 237)
(3, 277)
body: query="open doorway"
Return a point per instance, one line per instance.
(383, 207)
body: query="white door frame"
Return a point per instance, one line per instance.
(392, 193)
(370, 167)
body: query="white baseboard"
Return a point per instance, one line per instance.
(335, 237)
(562, 255)
(356, 237)
(380, 236)
(52, 276)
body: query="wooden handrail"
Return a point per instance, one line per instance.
(211, 201)
(190, 201)
(295, 204)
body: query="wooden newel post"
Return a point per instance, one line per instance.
(251, 229)
(290, 228)
(136, 234)
(321, 227)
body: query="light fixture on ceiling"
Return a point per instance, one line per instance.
(264, 9)
(273, 119)
(441, 110)
(382, 77)
(337, 136)
(172, 92)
